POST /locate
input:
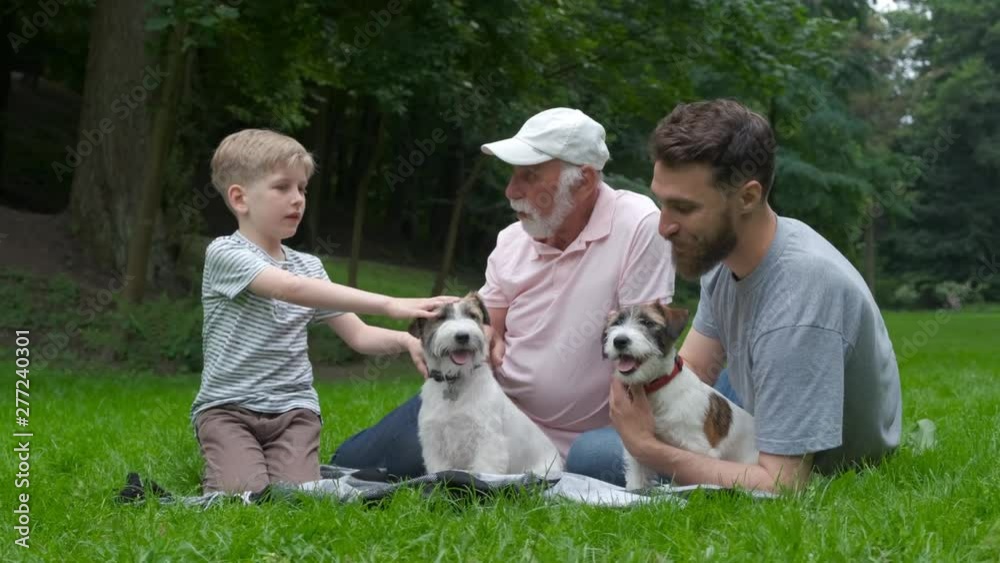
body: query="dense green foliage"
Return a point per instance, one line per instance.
(884, 121)
(951, 233)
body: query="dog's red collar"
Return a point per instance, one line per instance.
(663, 380)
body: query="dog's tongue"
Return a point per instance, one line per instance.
(626, 364)
(461, 356)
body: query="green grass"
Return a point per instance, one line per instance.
(941, 504)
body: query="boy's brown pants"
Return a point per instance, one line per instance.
(245, 450)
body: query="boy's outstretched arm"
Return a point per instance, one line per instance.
(375, 341)
(320, 294)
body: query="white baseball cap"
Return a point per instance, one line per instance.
(563, 133)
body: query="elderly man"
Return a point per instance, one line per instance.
(579, 250)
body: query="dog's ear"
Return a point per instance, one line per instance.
(604, 334)
(676, 320)
(417, 327)
(474, 296)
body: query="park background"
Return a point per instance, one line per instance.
(887, 117)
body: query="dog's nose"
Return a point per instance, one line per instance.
(462, 338)
(621, 342)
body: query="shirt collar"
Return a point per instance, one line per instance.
(260, 251)
(774, 252)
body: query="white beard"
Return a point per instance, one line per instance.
(539, 227)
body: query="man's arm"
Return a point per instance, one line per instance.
(772, 473)
(633, 419)
(320, 294)
(704, 355)
(498, 330)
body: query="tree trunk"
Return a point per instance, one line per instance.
(359, 134)
(321, 133)
(456, 217)
(334, 150)
(161, 136)
(361, 201)
(109, 161)
(329, 157)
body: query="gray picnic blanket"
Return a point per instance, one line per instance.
(350, 485)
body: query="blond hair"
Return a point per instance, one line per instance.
(250, 154)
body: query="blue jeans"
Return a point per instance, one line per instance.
(393, 444)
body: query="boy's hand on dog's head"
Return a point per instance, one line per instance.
(422, 308)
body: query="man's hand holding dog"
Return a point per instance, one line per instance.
(631, 415)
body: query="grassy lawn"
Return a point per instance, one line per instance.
(91, 428)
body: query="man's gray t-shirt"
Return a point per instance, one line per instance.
(256, 348)
(807, 351)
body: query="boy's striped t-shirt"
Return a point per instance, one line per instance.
(255, 348)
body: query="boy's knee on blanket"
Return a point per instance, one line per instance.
(293, 455)
(236, 460)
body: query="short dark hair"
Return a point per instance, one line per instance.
(736, 142)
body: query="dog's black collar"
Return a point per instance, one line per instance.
(436, 375)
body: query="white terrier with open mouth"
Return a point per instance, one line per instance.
(466, 421)
(688, 414)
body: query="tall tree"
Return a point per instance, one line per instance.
(369, 176)
(465, 182)
(161, 135)
(108, 158)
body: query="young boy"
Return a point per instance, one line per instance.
(257, 415)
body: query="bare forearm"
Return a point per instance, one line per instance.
(377, 341)
(321, 294)
(687, 468)
(498, 321)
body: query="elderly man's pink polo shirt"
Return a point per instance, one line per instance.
(557, 302)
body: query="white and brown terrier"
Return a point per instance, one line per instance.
(688, 414)
(466, 421)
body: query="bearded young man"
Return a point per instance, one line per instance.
(578, 250)
(806, 349)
